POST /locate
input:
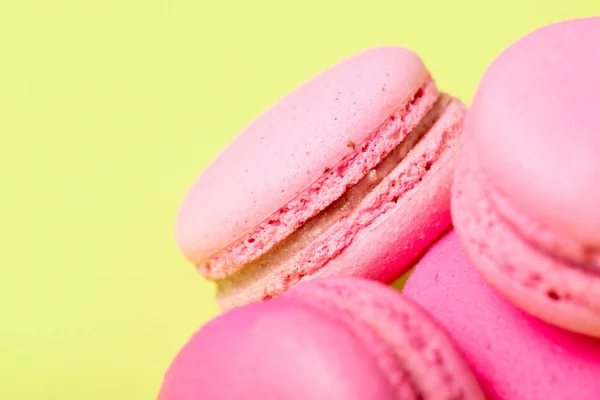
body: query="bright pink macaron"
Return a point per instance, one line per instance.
(526, 200)
(332, 338)
(349, 174)
(514, 355)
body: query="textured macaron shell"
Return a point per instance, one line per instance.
(427, 361)
(534, 122)
(275, 350)
(514, 355)
(287, 149)
(548, 286)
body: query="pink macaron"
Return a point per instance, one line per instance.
(332, 338)
(349, 174)
(526, 199)
(514, 355)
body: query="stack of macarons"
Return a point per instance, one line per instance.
(367, 170)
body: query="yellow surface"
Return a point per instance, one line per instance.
(109, 109)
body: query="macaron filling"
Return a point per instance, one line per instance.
(332, 184)
(379, 192)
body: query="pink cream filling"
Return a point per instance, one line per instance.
(331, 186)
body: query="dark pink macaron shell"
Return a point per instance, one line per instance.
(332, 338)
(513, 354)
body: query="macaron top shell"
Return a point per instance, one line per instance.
(290, 146)
(286, 351)
(427, 364)
(536, 127)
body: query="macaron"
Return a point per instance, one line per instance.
(514, 355)
(332, 338)
(349, 174)
(526, 198)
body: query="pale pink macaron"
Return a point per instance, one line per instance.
(514, 355)
(349, 174)
(526, 200)
(333, 338)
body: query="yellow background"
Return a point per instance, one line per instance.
(109, 109)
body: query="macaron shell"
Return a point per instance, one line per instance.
(548, 287)
(534, 122)
(515, 356)
(433, 366)
(289, 146)
(324, 301)
(271, 351)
